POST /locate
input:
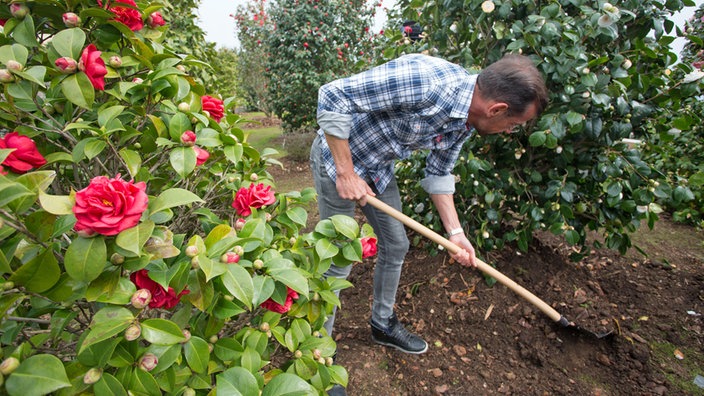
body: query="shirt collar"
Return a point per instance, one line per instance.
(465, 92)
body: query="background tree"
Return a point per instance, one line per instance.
(225, 73)
(313, 42)
(253, 26)
(612, 75)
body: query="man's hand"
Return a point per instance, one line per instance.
(466, 256)
(354, 188)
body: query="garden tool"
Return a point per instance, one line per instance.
(485, 268)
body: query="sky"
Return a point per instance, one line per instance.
(219, 27)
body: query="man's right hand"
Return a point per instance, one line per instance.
(354, 188)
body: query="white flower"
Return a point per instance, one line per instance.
(693, 76)
(488, 6)
(627, 64)
(453, 27)
(674, 132)
(605, 21)
(642, 208)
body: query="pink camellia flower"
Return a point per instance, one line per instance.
(24, 157)
(67, 65)
(71, 19)
(155, 20)
(368, 246)
(188, 138)
(214, 106)
(256, 196)
(273, 306)
(94, 66)
(408, 29)
(201, 155)
(109, 206)
(698, 64)
(130, 17)
(19, 10)
(160, 297)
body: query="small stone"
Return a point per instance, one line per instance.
(510, 376)
(459, 350)
(603, 359)
(436, 372)
(441, 389)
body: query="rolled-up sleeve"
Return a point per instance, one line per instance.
(335, 124)
(438, 184)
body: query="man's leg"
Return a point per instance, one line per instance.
(329, 204)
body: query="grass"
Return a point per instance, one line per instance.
(261, 138)
(680, 373)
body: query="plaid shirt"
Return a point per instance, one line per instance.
(415, 102)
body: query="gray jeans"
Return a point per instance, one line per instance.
(392, 242)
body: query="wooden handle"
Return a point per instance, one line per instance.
(452, 248)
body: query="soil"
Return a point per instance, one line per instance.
(487, 340)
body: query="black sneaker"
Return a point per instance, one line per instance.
(395, 335)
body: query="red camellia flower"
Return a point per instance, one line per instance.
(160, 296)
(93, 66)
(368, 246)
(273, 306)
(155, 20)
(109, 206)
(214, 106)
(256, 196)
(25, 156)
(130, 17)
(2, 22)
(201, 155)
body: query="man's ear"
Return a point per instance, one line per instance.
(497, 108)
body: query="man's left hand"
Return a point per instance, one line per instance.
(466, 256)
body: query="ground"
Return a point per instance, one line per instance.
(487, 340)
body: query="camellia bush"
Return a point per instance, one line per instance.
(612, 76)
(144, 249)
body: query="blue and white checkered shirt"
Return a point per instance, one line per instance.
(415, 102)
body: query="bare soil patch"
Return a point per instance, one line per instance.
(486, 340)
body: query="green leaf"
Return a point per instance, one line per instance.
(11, 191)
(133, 161)
(286, 384)
(345, 225)
(14, 52)
(24, 32)
(178, 124)
(85, 258)
(162, 332)
(237, 381)
(93, 148)
(183, 160)
(132, 239)
(78, 89)
(107, 323)
(197, 354)
(326, 249)
(69, 42)
(143, 383)
(109, 386)
(37, 375)
(537, 139)
(56, 204)
(107, 115)
(39, 274)
(239, 283)
(291, 278)
(298, 215)
(174, 197)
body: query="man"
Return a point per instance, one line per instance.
(415, 102)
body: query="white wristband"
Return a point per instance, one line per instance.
(455, 231)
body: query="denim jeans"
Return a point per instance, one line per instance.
(392, 242)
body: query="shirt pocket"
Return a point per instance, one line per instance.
(412, 131)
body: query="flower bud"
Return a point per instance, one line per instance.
(141, 298)
(258, 264)
(253, 177)
(189, 392)
(15, 66)
(148, 362)
(321, 360)
(137, 80)
(238, 249)
(188, 138)
(71, 20)
(316, 354)
(264, 327)
(9, 365)
(133, 332)
(192, 251)
(92, 376)
(230, 258)
(155, 20)
(19, 10)
(187, 335)
(298, 354)
(181, 68)
(239, 224)
(184, 107)
(6, 76)
(67, 65)
(213, 339)
(195, 262)
(268, 217)
(115, 61)
(117, 259)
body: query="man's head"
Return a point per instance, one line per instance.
(509, 92)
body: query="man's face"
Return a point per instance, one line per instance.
(503, 123)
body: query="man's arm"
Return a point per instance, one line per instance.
(349, 184)
(445, 205)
